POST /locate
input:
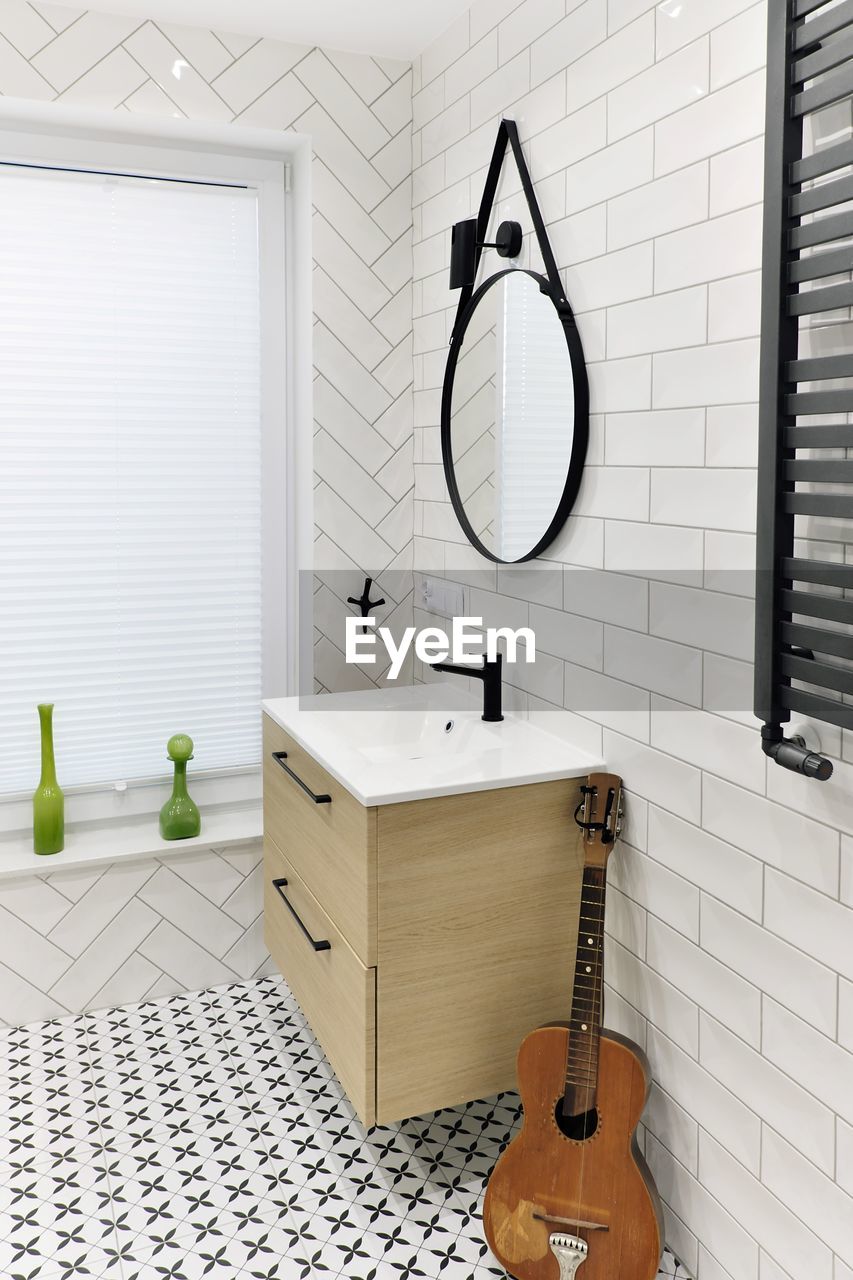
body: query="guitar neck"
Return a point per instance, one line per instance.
(598, 815)
(587, 995)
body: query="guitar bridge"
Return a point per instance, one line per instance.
(570, 1252)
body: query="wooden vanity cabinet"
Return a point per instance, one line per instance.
(450, 922)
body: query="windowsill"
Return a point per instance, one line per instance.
(91, 846)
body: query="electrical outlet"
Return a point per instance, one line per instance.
(437, 596)
(423, 591)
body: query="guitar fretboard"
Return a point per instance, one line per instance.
(585, 1021)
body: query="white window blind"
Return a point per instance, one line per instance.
(130, 473)
(534, 428)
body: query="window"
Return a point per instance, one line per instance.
(134, 579)
(537, 383)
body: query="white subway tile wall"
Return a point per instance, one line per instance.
(730, 918)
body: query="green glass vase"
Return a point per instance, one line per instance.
(48, 800)
(179, 817)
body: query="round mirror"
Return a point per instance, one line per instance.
(514, 416)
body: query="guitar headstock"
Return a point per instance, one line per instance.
(599, 815)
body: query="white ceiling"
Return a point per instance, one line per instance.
(389, 28)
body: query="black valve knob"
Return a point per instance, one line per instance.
(794, 755)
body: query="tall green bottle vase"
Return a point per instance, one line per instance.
(48, 800)
(179, 817)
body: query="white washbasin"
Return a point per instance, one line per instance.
(436, 733)
(408, 743)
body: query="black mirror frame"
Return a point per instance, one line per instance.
(552, 286)
(580, 437)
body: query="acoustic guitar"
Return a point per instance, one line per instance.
(572, 1190)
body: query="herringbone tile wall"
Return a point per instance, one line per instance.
(91, 939)
(357, 111)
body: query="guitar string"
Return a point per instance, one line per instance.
(597, 936)
(594, 1035)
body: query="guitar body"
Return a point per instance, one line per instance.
(546, 1182)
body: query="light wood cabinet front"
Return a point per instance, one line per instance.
(332, 845)
(478, 906)
(336, 992)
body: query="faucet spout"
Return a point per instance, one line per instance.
(490, 674)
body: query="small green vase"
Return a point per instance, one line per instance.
(179, 817)
(48, 800)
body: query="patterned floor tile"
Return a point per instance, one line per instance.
(205, 1135)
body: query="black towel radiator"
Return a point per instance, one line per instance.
(804, 612)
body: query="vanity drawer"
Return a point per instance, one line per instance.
(336, 992)
(331, 844)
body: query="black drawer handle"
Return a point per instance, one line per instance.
(280, 757)
(280, 885)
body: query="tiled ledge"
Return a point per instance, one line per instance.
(91, 846)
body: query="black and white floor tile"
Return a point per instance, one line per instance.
(205, 1135)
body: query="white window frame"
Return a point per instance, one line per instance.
(277, 166)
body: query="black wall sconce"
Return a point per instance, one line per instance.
(464, 245)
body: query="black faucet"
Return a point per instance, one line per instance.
(490, 674)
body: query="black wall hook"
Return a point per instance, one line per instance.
(364, 601)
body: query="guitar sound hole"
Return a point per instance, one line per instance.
(577, 1128)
